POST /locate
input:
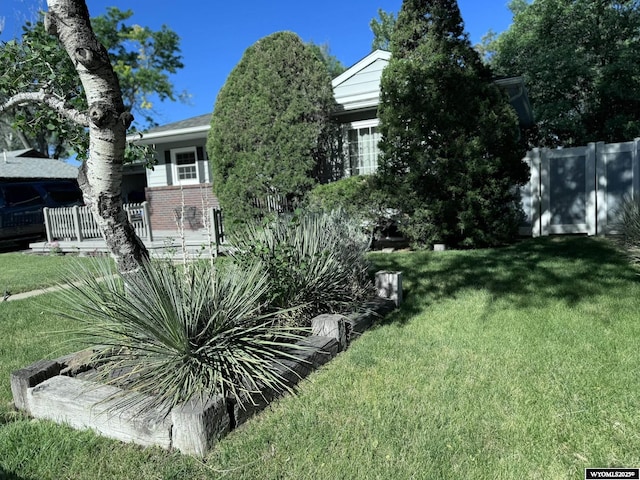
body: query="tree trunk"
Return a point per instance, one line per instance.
(100, 176)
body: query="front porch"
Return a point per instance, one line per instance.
(165, 244)
(74, 231)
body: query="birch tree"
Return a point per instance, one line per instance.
(142, 58)
(107, 121)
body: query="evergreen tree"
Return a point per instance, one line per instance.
(270, 130)
(450, 153)
(382, 29)
(332, 64)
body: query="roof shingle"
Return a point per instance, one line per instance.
(31, 164)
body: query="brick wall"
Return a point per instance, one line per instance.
(165, 203)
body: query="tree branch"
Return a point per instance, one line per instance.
(20, 134)
(50, 100)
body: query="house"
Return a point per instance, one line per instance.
(357, 92)
(29, 181)
(182, 169)
(181, 178)
(28, 164)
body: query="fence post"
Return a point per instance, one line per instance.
(635, 162)
(601, 188)
(220, 225)
(217, 234)
(212, 224)
(545, 199)
(76, 222)
(535, 169)
(591, 212)
(47, 224)
(147, 220)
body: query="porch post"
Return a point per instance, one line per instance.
(47, 224)
(147, 220)
(76, 222)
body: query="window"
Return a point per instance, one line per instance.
(362, 144)
(185, 165)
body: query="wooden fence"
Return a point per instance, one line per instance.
(579, 190)
(77, 223)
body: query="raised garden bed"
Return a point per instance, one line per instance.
(58, 389)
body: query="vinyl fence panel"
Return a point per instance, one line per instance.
(580, 189)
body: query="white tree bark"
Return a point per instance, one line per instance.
(100, 176)
(50, 100)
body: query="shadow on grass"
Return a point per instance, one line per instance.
(529, 273)
(4, 475)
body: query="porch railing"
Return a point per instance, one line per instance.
(77, 223)
(274, 204)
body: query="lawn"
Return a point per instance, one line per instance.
(513, 363)
(23, 272)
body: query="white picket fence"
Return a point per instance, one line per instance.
(77, 223)
(579, 190)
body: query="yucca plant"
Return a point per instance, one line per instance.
(177, 333)
(315, 262)
(628, 219)
(627, 223)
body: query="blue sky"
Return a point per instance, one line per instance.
(214, 34)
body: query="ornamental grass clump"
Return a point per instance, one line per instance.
(628, 225)
(628, 219)
(180, 333)
(315, 263)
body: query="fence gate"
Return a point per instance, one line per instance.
(617, 177)
(579, 190)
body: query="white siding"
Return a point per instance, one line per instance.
(359, 87)
(163, 174)
(365, 82)
(158, 176)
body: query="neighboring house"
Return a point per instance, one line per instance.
(28, 164)
(29, 182)
(181, 178)
(183, 167)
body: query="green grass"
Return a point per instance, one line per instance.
(21, 272)
(30, 333)
(514, 363)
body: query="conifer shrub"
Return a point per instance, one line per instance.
(451, 158)
(358, 197)
(271, 129)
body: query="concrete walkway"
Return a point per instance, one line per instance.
(165, 244)
(33, 293)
